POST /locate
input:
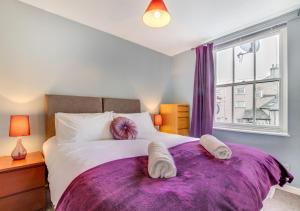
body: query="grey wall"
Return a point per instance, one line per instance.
(43, 53)
(286, 149)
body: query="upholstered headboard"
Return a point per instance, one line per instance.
(121, 105)
(77, 104)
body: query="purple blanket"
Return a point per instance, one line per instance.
(202, 183)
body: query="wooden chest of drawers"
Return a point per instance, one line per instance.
(175, 118)
(22, 183)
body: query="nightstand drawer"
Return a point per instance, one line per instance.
(183, 114)
(16, 181)
(183, 123)
(182, 108)
(183, 132)
(26, 201)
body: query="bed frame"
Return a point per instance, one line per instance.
(79, 104)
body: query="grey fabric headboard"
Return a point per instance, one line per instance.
(121, 105)
(78, 104)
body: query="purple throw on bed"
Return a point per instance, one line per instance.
(202, 183)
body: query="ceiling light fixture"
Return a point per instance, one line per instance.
(156, 14)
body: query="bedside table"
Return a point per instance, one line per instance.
(22, 183)
(175, 118)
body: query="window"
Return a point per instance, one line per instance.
(251, 84)
(240, 91)
(240, 104)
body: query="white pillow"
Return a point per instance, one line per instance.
(82, 127)
(143, 122)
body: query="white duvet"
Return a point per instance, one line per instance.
(66, 161)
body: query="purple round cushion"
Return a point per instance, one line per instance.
(123, 128)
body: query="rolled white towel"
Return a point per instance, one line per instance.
(215, 147)
(160, 161)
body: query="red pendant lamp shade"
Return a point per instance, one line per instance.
(156, 14)
(157, 5)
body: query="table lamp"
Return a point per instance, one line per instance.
(157, 120)
(19, 126)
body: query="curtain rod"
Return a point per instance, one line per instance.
(251, 35)
(284, 19)
(263, 30)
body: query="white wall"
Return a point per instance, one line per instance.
(43, 53)
(286, 149)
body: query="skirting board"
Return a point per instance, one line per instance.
(290, 189)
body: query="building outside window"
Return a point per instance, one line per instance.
(251, 84)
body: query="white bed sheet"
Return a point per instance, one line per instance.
(66, 161)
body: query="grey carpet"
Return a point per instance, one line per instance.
(282, 201)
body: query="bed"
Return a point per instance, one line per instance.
(112, 174)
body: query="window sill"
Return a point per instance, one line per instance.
(252, 130)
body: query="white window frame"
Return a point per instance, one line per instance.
(282, 129)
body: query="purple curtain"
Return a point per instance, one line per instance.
(203, 100)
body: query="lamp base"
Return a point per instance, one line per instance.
(19, 152)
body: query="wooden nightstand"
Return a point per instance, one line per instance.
(175, 118)
(22, 183)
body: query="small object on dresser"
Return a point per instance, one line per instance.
(22, 183)
(19, 126)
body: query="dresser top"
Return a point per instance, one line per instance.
(176, 104)
(32, 159)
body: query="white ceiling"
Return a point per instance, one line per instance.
(193, 21)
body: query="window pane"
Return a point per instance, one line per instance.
(224, 66)
(243, 104)
(267, 58)
(244, 62)
(267, 103)
(223, 110)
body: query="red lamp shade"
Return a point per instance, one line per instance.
(19, 126)
(156, 14)
(157, 120)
